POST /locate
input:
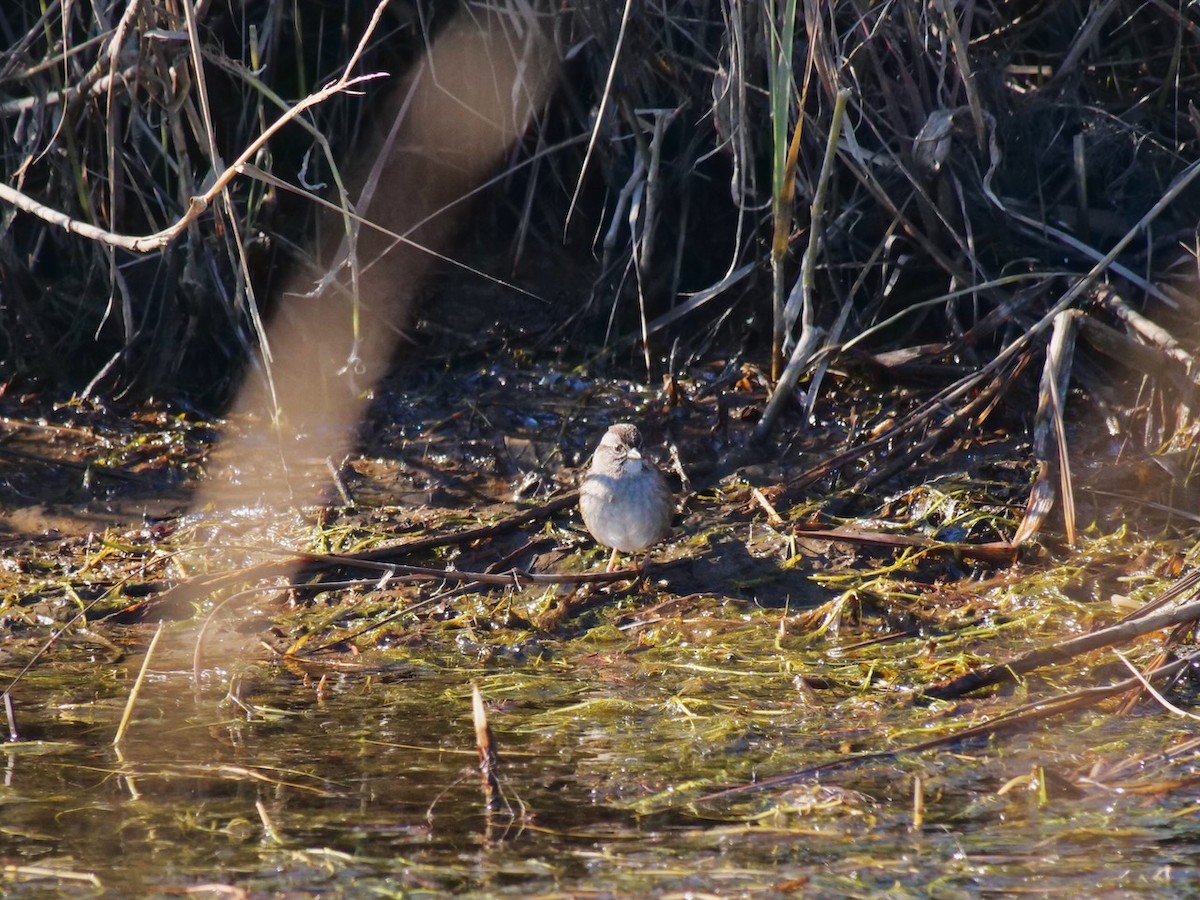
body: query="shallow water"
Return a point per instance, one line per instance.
(368, 783)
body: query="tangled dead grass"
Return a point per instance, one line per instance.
(954, 193)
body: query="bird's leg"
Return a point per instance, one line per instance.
(641, 571)
(612, 561)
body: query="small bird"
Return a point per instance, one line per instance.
(625, 501)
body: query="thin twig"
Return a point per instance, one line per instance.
(1015, 718)
(1127, 630)
(198, 204)
(127, 716)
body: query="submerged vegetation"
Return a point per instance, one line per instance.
(902, 294)
(814, 698)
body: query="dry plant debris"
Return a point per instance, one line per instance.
(877, 254)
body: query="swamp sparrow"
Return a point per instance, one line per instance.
(624, 499)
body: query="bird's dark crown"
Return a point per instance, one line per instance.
(628, 434)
